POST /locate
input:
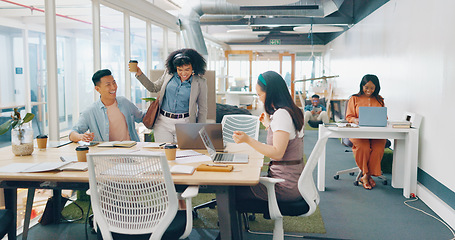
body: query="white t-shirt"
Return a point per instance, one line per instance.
(281, 120)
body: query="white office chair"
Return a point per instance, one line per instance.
(133, 195)
(230, 123)
(239, 122)
(276, 210)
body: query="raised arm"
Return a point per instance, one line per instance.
(147, 83)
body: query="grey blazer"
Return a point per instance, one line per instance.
(198, 95)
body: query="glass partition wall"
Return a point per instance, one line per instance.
(24, 73)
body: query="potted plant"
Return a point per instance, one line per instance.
(21, 135)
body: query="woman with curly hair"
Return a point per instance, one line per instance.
(182, 92)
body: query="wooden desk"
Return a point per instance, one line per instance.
(405, 153)
(218, 182)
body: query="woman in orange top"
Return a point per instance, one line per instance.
(367, 152)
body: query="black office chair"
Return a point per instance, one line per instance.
(274, 209)
(6, 219)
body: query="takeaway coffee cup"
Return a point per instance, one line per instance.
(170, 150)
(41, 140)
(82, 153)
(133, 65)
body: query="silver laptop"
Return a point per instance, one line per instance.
(373, 116)
(188, 135)
(221, 157)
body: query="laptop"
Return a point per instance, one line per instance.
(373, 116)
(188, 135)
(221, 157)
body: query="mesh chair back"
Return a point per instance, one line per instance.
(306, 181)
(239, 122)
(131, 193)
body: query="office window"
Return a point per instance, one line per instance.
(239, 72)
(74, 59)
(172, 41)
(112, 45)
(157, 47)
(11, 67)
(38, 80)
(14, 72)
(139, 53)
(307, 66)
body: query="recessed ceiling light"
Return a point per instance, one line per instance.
(318, 29)
(261, 2)
(247, 31)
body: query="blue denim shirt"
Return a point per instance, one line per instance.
(310, 107)
(177, 96)
(95, 118)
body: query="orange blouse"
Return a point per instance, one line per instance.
(352, 112)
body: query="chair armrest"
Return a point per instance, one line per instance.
(269, 183)
(190, 192)
(269, 180)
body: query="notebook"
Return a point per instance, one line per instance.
(373, 116)
(221, 157)
(188, 135)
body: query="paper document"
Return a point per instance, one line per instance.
(117, 144)
(192, 158)
(33, 167)
(155, 145)
(182, 169)
(75, 166)
(187, 153)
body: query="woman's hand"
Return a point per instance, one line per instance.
(356, 121)
(240, 137)
(139, 72)
(265, 119)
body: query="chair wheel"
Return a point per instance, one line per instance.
(356, 183)
(384, 182)
(252, 217)
(351, 173)
(336, 177)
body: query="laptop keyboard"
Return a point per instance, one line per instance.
(224, 158)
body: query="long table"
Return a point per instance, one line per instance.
(405, 152)
(221, 183)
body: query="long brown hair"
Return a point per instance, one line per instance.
(277, 96)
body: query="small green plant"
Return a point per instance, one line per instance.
(149, 99)
(16, 121)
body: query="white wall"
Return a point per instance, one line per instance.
(410, 46)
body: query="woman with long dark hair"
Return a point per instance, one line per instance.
(367, 152)
(284, 123)
(183, 93)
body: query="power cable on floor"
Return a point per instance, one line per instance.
(420, 210)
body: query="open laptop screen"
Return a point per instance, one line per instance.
(373, 116)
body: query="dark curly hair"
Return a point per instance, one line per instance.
(375, 80)
(186, 56)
